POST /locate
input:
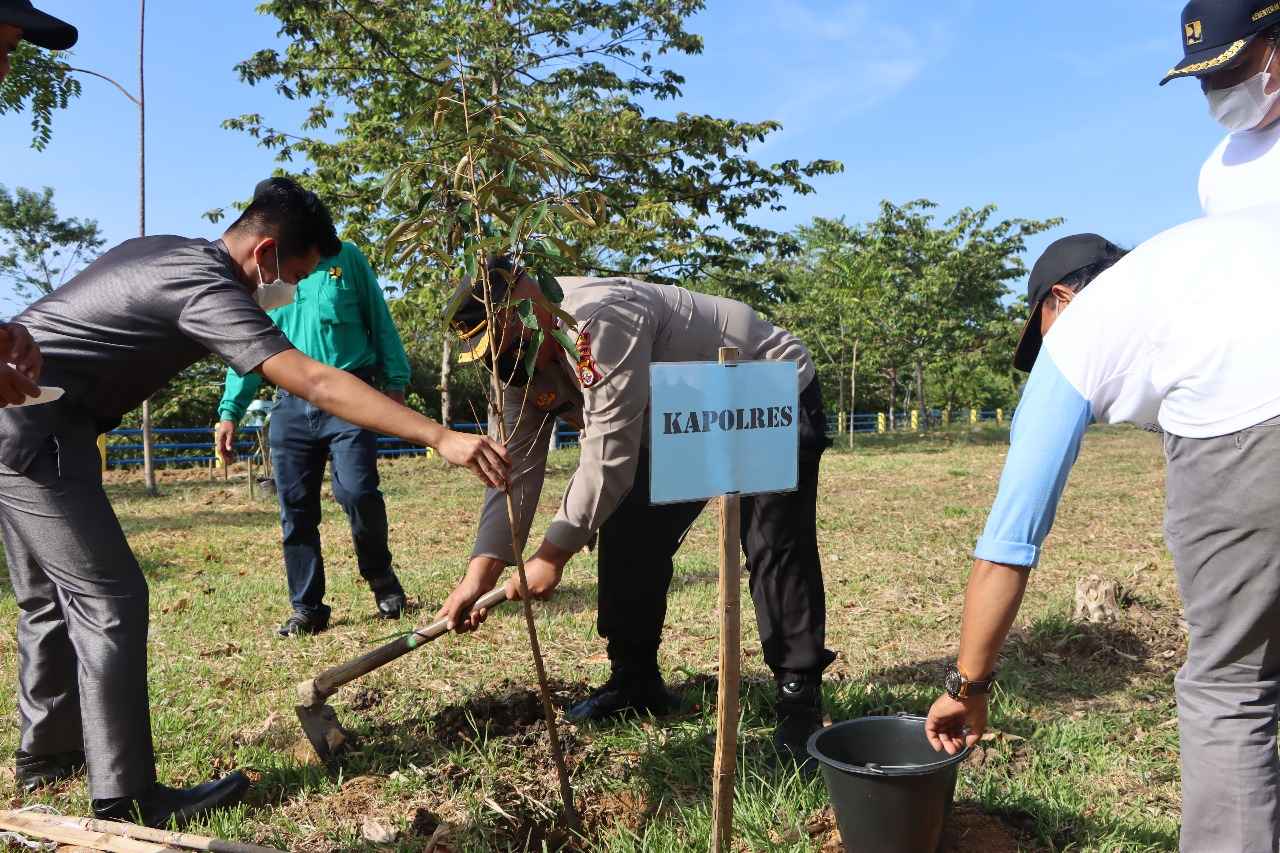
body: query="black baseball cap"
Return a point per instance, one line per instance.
(466, 313)
(39, 28)
(1061, 259)
(1215, 34)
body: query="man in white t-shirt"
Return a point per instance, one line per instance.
(1231, 46)
(1185, 332)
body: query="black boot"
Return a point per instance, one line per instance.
(32, 772)
(302, 624)
(163, 806)
(799, 709)
(623, 693)
(389, 596)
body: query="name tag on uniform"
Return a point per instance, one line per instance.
(722, 429)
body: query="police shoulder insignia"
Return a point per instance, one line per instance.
(588, 371)
(335, 272)
(545, 399)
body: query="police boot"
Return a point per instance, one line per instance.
(799, 709)
(388, 595)
(625, 693)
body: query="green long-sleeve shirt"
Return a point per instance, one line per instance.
(339, 317)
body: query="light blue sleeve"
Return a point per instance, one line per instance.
(1047, 427)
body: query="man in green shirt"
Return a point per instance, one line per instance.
(339, 317)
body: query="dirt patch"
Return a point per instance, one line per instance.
(969, 829)
(509, 711)
(367, 698)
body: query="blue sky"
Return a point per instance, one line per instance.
(1042, 108)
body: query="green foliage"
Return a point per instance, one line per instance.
(576, 76)
(39, 251)
(40, 83)
(919, 298)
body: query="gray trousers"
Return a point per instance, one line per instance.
(82, 623)
(1222, 524)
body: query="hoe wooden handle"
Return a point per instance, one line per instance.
(333, 678)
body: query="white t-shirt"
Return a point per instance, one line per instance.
(1242, 172)
(1184, 332)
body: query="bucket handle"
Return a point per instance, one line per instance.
(922, 769)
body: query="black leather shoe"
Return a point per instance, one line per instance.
(619, 696)
(32, 772)
(163, 806)
(389, 596)
(302, 624)
(799, 708)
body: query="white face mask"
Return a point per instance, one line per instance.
(1244, 105)
(276, 294)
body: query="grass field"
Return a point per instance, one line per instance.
(1084, 756)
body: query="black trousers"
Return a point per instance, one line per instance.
(779, 536)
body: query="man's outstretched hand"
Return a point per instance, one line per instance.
(487, 459)
(954, 724)
(20, 363)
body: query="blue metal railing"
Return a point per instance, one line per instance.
(124, 449)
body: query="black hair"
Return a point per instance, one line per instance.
(1083, 277)
(296, 218)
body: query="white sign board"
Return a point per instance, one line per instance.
(721, 429)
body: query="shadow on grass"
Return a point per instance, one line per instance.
(1056, 659)
(1058, 828)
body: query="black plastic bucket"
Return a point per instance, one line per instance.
(891, 792)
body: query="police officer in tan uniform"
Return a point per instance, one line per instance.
(621, 326)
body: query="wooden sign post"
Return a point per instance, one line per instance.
(724, 430)
(726, 762)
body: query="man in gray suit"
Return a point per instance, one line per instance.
(111, 337)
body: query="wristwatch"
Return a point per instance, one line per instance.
(960, 688)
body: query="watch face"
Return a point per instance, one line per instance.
(954, 683)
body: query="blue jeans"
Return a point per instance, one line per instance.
(302, 438)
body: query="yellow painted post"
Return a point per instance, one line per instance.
(973, 416)
(880, 423)
(915, 420)
(1000, 417)
(102, 451)
(946, 416)
(840, 422)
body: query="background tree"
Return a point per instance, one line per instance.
(38, 250)
(41, 82)
(584, 73)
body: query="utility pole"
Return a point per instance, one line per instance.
(148, 464)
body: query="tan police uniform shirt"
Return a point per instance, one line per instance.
(623, 326)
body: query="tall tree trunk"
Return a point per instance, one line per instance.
(853, 389)
(893, 396)
(446, 377)
(924, 414)
(148, 463)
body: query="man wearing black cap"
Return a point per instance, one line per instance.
(20, 21)
(1182, 332)
(111, 337)
(20, 364)
(597, 377)
(338, 316)
(1231, 47)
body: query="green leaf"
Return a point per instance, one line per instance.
(550, 287)
(566, 342)
(531, 356)
(524, 310)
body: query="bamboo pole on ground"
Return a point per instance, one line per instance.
(132, 832)
(726, 759)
